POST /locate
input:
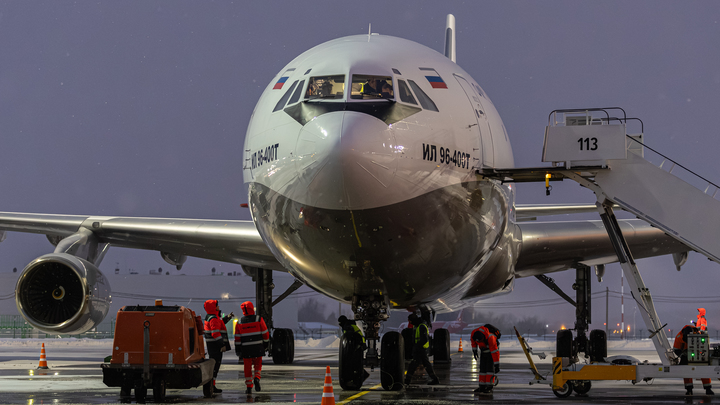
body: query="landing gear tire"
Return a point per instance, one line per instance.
(159, 390)
(441, 346)
(582, 387)
(565, 391)
(350, 363)
(392, 362)
(409, 339)
(208, 389)
(283, 347)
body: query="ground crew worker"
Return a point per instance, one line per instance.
(349, 327)
(419, 351)
(251, 341)
(701, 321)
(680, 347)
(216, 336)
(482, 339)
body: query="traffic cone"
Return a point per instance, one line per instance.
(43, 360)
(328, 397)
(460, 347)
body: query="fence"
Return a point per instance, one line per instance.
(15, 327)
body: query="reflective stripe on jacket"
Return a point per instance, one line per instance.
(250, 334)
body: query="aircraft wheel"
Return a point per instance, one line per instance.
(392, 362)
(565, 391)
(582, 387)
(408, 336)
(159, 389)
(441, 346)
(208, 389)
(350, 362)
(283, 347)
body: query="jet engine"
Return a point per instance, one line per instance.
(59, 293)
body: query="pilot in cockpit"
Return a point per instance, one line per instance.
(371, 86)
(387, 91)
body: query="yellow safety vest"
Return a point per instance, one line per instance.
(417, 335)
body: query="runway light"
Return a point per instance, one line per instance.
(562, 327)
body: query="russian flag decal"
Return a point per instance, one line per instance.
(436, 82)
(280, 83)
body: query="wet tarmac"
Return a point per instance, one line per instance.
(75, 377)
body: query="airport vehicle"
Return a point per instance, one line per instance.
(385, 199)
(159, 347)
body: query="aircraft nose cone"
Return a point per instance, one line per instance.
(346, 160)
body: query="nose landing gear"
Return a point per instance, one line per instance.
(371, 310)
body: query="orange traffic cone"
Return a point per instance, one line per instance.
(43, 360)
(460, 347)
(328, 397)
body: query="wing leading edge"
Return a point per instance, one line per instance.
(228, 241)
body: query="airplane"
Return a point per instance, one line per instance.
(362, 160)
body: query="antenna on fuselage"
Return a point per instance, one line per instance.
(449, 38)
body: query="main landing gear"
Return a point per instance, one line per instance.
(568, 346)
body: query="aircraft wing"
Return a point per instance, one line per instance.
(555, 246)
(228, 241)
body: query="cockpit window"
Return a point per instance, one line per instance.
(326, 87)
(281, 103)
(296, 96)
(405, 94)
(425, 100)
(367, 87)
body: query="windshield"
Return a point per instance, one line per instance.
(327, 87)
(367, 87)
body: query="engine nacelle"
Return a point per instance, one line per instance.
(59, 293)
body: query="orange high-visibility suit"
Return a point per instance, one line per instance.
(251, 339)
(482, 339)
(701, 321)
(680, 346)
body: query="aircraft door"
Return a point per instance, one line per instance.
(485, 142)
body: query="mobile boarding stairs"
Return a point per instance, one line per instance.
(593, 148)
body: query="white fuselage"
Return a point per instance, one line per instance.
(369, 194)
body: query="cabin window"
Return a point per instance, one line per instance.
(296, 96)
(327, 87)
(281, 103)
(425, 100)
(405, 94)
(368, 87)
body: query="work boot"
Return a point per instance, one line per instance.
(257, 384)
(434, 381)
(479, 390)
(248, 391)
(216, 390)
(689, 391)
(709, 391)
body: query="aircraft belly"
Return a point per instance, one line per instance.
(420, 250)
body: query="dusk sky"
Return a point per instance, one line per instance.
(139, 108)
